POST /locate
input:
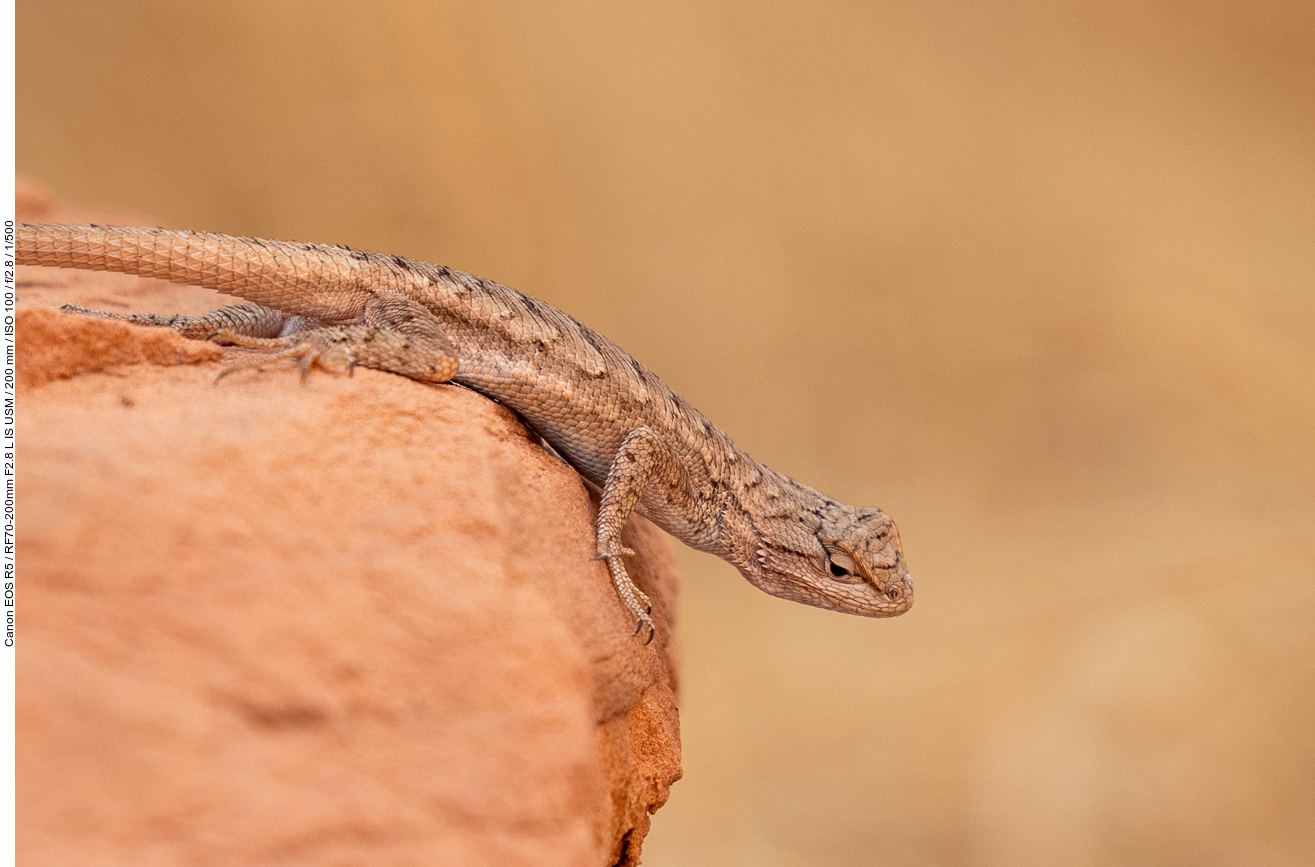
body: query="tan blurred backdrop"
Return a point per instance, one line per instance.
(1038, 279)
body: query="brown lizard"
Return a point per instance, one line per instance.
(609, 416)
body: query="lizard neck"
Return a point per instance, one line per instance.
(762, 505)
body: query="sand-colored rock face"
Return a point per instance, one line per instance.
(348, 622)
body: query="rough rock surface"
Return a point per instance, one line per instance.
(348, 622)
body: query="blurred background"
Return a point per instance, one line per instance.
(1036, 278)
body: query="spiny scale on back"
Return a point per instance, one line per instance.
(628, 434)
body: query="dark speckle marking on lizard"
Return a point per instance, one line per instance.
(599, 408)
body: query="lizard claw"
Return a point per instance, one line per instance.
(640, 623)
(626, 551)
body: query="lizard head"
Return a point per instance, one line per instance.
(830, 555)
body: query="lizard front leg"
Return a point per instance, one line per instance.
(643, 462)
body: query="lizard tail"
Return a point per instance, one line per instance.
(331, 284)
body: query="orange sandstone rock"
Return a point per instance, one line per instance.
(352, 621)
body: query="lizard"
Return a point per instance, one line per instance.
(630, 436)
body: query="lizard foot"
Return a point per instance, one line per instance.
(631, 596)
(335, 359)
(343, 348)
(395, 335)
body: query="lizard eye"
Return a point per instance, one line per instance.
(841, 566)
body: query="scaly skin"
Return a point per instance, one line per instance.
(626, 432)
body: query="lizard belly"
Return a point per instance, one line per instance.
(587, 440)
